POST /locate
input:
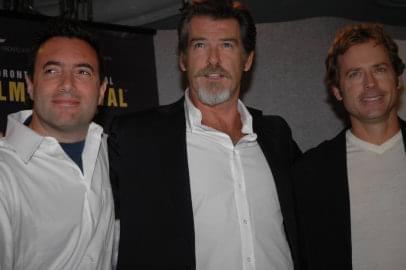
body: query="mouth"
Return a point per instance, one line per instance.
(371, 98)
(213, 73)
(214, 76)
(66, 102)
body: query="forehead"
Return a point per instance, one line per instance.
(364, 54)
(205, 26)
(66, 50)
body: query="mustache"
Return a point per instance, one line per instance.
(210, 69)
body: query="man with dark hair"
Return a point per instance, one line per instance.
(351, 190)
(204, 183)
(56, 204)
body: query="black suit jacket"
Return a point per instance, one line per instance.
(148, 163)
(323, 204)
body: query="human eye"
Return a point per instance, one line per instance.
(380, 69)
(84, 72)
(198, 45)
(354, 75)
(228, 44)
(51, 71)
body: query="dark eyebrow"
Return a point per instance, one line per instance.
(85, 65)
(381, 64)
(52, 63)
(353, 69)
(197, 39)
(234, 40)
(57, 63)
(375, 65)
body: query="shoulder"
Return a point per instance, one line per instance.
(9, 188)
(322, 152)
(147, 125)
(273, 127)
(274, 131)
(275, 121)
(8, 169)
(151, 118)
(7, 151)
(268, 121)
(402, 123)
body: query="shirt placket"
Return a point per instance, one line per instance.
(241, 200)
(88, 221)
(92, 207)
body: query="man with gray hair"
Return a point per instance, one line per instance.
(205, 183)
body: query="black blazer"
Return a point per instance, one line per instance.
(148, 165)
(323, 204)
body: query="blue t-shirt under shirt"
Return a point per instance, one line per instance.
(74, 150)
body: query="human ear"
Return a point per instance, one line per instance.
(337, 93)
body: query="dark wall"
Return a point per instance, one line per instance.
(128, 57)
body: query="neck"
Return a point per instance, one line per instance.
(376, 133)
(60, 134)
(223, 117)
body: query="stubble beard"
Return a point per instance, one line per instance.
(214, 94)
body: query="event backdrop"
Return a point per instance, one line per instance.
(288, 74)
(129, 62)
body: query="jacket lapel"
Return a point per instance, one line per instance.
(176, 170)
(279, 161)
(337, 192)
(403, 129)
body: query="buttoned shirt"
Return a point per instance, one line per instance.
(237, 216)
(53, 215)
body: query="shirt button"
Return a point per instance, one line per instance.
(245, 222)
(249, 259)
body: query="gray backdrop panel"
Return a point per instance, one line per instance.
(288, 74)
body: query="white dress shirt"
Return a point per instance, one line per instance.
(53, 216)
(237, 216)
(377, 185)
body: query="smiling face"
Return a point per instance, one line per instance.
(214, 60)
(65, 88)
(368, 84)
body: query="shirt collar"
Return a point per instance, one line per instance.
(25, 141)
(194, 116)
(379, 149)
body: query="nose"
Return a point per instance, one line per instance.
(66, 82)
(214, 57)
(369, 80)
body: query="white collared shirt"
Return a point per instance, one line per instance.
(237, 216)
(53, 216)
